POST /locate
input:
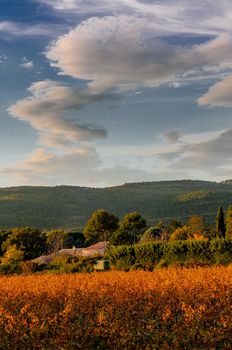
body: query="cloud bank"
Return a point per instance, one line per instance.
(212, 157)
(114, 48)
(83, 166)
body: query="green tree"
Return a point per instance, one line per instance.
(134, 223)
(100, 226)
(11, 262)
(181, 233)
(229, 222)
(196, 225)
(122, 237)
(12, 256)
(220, 223)
(74, 239)
(59, 239)
(27, 239)
(56, 239)
(194, 229)
(3, 237)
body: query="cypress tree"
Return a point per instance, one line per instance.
(229, 222)
(220, 223)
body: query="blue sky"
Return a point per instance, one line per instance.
(99, 93)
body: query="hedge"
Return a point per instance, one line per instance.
(179, 253)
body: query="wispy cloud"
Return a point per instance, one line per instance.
(83, 7)
(47, 111)
(170, 16)
(14, 29)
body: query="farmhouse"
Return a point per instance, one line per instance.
(95, 249)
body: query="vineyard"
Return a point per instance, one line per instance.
(164, 309)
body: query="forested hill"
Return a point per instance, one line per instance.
(70, 207)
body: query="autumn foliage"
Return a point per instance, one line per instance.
(164, 309)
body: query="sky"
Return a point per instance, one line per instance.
(100, 93)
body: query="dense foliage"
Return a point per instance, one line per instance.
(168, 309)
(130, 229)
(100, 225)
(133, 222)
(31, 241)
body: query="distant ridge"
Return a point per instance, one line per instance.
(126, 184)
(70, 206)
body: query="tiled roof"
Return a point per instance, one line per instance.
(99, 245)
(95, 249)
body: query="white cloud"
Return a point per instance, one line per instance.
(175, 84)
(27, 64)
(126, 52)
(135, 43)
(48, 111)
(219, 95)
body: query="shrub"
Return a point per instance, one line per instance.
(175, 253)
(29, 267)
(122, 257)
(67, 264)
(221, 251)
(181, 233)
(148, 255)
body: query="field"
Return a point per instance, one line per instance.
(164, 309)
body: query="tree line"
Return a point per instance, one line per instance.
(104, 226)
(27, 243)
